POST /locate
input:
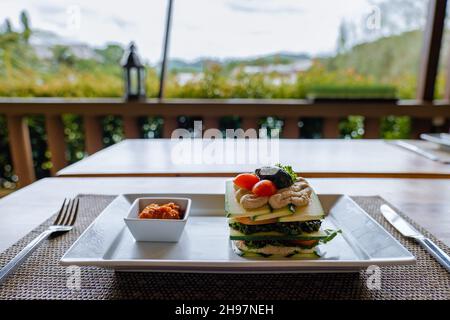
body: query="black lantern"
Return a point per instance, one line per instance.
(134, 75)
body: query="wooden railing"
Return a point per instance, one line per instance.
(250, 111)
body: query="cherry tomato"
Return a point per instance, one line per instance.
(305, 243)
(246, 180)
(264, 188)
(247, 220)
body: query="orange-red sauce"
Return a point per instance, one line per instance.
(164, 211)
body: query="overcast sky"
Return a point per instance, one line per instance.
(201, 28)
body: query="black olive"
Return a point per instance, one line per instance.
(278, 176)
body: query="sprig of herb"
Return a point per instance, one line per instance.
(291, 207)
(330, 235)
(289, 170)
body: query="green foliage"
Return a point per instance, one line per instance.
(26, 32)
(7, 27)
(151, 127)
(352, 127)
(311, 128)
(111, 55)
(217, 84)
(74, 136)
(41, 155)
(392, 60)
(112, 130)
(395, 127)
(352, 92)
(270, 123)
(229, 122)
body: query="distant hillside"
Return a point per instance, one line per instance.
(180, 65)
(383, 59)
(44, 42)
(185, 66)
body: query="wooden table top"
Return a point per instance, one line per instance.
(312, 158)
(425, 200)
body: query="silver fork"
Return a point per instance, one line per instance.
(63, 223)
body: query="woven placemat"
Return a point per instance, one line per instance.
(41, 276)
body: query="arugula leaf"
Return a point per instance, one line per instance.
(289, 170)
(291, 207)
(330, 235)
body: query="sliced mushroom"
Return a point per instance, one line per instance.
(240, 192)
(299, 194)
(252, 201)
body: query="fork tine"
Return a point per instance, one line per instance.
(64, 213)
(73, 216)
(60, 213)
(68, 212)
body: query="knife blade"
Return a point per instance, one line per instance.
(407, 230)
(416, 149)
(398, 222)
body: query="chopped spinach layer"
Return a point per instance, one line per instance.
(257, 244)
(288, 228)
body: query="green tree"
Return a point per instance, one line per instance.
(63, 55)
(111, 54)
(25, 21)
(7, 26)
(343, 37)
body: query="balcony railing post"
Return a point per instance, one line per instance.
(291, 129)
(250, 123)
(447, 126)
(130, 127)
(210, 122)
(20, 146)
(93, 134)
(56, 142)
(420, 125)
(331, 128)
(170, 124)
(372, 128)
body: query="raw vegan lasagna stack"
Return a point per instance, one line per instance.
(273, 213)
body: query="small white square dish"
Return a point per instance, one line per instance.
(158, 230)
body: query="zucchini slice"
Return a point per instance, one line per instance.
(272, 215)
(275, 253)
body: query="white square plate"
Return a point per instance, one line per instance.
(205, 246)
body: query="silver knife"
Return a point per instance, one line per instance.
(416, 149)
(409, 231)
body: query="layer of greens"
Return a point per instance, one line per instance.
(258, 244)
(323, 235)
(288, 228)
